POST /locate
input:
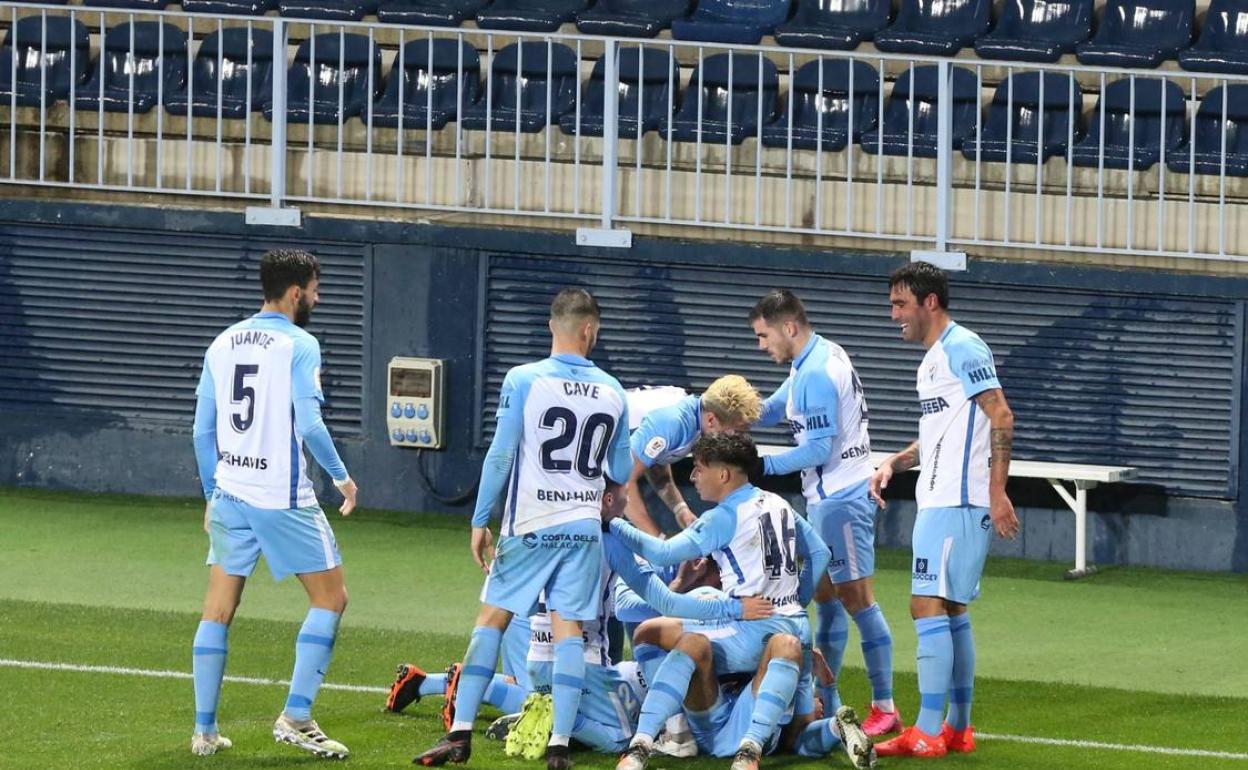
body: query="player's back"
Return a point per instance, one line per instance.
(572, 412)
(761, 559)
(250, 371)
(825, 377)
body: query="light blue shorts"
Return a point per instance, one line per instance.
(846, 522)
(294, 541)
(738, 644)
(564, 560)
(718, 731)
(950, 546)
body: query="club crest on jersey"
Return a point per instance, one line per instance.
(985, 522)
(655, 447)
(529, 540)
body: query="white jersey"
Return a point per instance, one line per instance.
(644, 400)
(254, 371)
(567, 419)
(953, 430)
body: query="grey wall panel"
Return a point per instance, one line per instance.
(115, 321)
(1096, 377)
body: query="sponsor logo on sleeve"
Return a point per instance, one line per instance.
(655, 447)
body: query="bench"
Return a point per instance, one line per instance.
(1083, 477)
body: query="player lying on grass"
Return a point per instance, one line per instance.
(665, 434)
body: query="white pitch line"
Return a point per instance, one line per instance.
(166, 674)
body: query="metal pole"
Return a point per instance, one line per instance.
(610, 130)
(944, 150)
(277, 149)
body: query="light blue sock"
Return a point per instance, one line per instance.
(817, 739)
(935, 664)
(831, 636)
(208, 653)
(775, 693)
(567, 679)
(963, 672)
(434, 684)
(478, 672)
(609, 739)
(667, 693)
(313, 649)
(877, 652)
(649, 657)
(505, 695)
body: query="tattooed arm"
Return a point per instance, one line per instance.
(902, 461)
(1001, 445)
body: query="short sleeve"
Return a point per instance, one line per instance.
(713, 530)
(206, 387)
(971, 362)
(656, 434)
(305, 375)
(817, 403)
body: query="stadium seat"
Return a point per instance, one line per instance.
(630, 18)
(834, 24)
(429, 13)
(1022, 123)
(436, 78)
(137, 5)
(1206, 156)
(821, 116)
(520, 76)
(126, 79)
(643, 89)
(935, 27)
(221, 66)
(730, 104)
(1138, 147)
(43, 74)
(530, 15)
(1139, 33)
(230, 7)
(328, 10)
(1037, 30)
(339, 62)
(732, 21)
(915, 94)
(1223, 42)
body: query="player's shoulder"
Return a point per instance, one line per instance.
(964, 348)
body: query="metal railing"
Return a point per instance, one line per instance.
(750, 138)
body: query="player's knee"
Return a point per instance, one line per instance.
(696, 646)
(785, 646)
(856, 596)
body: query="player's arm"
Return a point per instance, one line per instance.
(897, 463)
(774, 405)
(660, 478)
(635, 508)
(815, 557)
(620, 464)
(646, 445)
(204, 435)
(629, 607)
(818, 406)
(499, 458)
(708, 534)
(1001, 446)
(306, 398)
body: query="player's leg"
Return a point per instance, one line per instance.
(773, 688)
(966, 565)
(832, 620)
(686, 677)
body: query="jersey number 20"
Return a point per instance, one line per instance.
(591, 441)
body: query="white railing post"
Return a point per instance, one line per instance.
(940, 255)
(274, 214)
(605, 234)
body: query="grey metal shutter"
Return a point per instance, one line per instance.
(116, 321)
(1105, 378)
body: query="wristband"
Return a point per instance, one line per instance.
(343, 483)
(684, 505)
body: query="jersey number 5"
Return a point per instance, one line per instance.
(591, 441)
(244, 393)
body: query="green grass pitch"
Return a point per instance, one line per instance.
(1134, 658)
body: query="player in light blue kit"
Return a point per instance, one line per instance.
(259, 405)
(562, 429)
(822, 401)
(966, 434)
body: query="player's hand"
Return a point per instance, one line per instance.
(207, 511)
(483, 548)
(349, 491)
(1003, 516)
(820, 668)
(879, 482)
(756, 608)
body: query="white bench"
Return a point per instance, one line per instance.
(1083, 477)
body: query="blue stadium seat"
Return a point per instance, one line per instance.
(937, 27)
(915, 91)
(722, 121)
(1223, 42)
(821, 117)
(230, 7)
(630, 18)
(138, 5)
(1140, 146)
(117, 70)
(519, 76)
(328, 10)
(221, 66)
(834, 24)
(530, 15)
(1139, 33)
(1023, 123)
(1037, 30)
(643, 89)
(313, 84)
(732, 21)
(43, 73)
(1210, 131)
(436, 79)
(429, 13)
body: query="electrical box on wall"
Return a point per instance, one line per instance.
(414, 401)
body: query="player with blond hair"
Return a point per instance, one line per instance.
(665, 435)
